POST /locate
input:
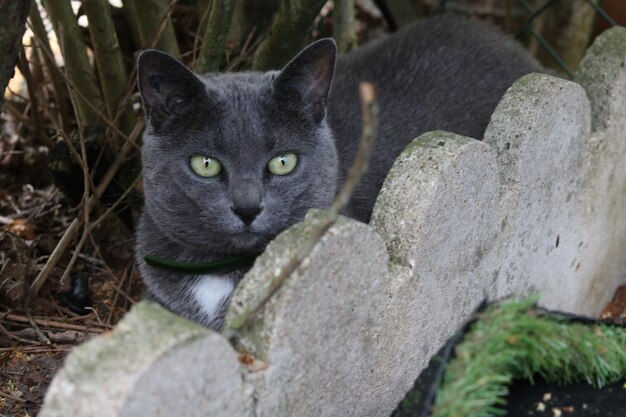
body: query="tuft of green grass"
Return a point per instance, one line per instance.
(513, 340)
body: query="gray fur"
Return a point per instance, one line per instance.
(443, 73)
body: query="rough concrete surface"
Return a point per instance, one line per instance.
(539, 206)
(322, 333)
(153, 364)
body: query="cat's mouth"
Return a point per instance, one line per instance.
(250, 240)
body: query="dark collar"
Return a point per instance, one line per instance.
(219, 266)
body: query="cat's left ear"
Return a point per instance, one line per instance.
(166, 85)
(306, 80)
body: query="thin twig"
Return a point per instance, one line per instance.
(156, 34)
(99, 113)
(17, 338)
(91, 259)
(198, 34)
(75, 253)
(38, 331)
(38, 349)
(72, 231)
(87, 206)
(11, 397)
(132, 78)
(79, 159)
(243, 55)
(44, 322)
(118, 290)
(55, 257)
(370, 125)
(114, 206)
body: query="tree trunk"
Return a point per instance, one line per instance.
(399, 13)
(13, 23)
(288, 33)
(344, 30)
(149, 17)
(214, 38)
(567, 27)
(251, 15)
(77, 66)
(108, 58)
(51, 70)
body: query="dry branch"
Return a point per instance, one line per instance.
(44, 322)
(251, 17)
(102, 117)
(72, 231)
(52, 71)
(358, 168)
(149, 15)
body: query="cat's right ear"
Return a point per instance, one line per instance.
(166, 85)
(305, 81)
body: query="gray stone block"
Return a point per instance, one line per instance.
(321, 338)
(153, 364)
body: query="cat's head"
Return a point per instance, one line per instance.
(231, 160)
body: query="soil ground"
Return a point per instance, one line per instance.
(574, 400)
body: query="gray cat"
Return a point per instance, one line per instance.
(231, 160)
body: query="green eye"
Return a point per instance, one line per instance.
(283, 164)
(205, 166)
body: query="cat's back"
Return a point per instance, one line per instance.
(437, 43)
(442, 73)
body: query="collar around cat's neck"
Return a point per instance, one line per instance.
(218, 266)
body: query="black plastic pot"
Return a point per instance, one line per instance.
(526, 398)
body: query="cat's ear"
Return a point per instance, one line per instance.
(166, 85)
(306, 80)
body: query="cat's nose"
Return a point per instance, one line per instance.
(247, 214)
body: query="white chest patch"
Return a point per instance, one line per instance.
(211, 291)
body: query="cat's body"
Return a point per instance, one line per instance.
(443, 73)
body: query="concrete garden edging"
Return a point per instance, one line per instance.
(539, 206)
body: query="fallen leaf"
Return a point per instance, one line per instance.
(617, 306)
(253, 365)
(21, 228)
(246, 358)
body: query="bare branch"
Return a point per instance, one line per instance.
(155, 26)
(72, 231)
(358, 168)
